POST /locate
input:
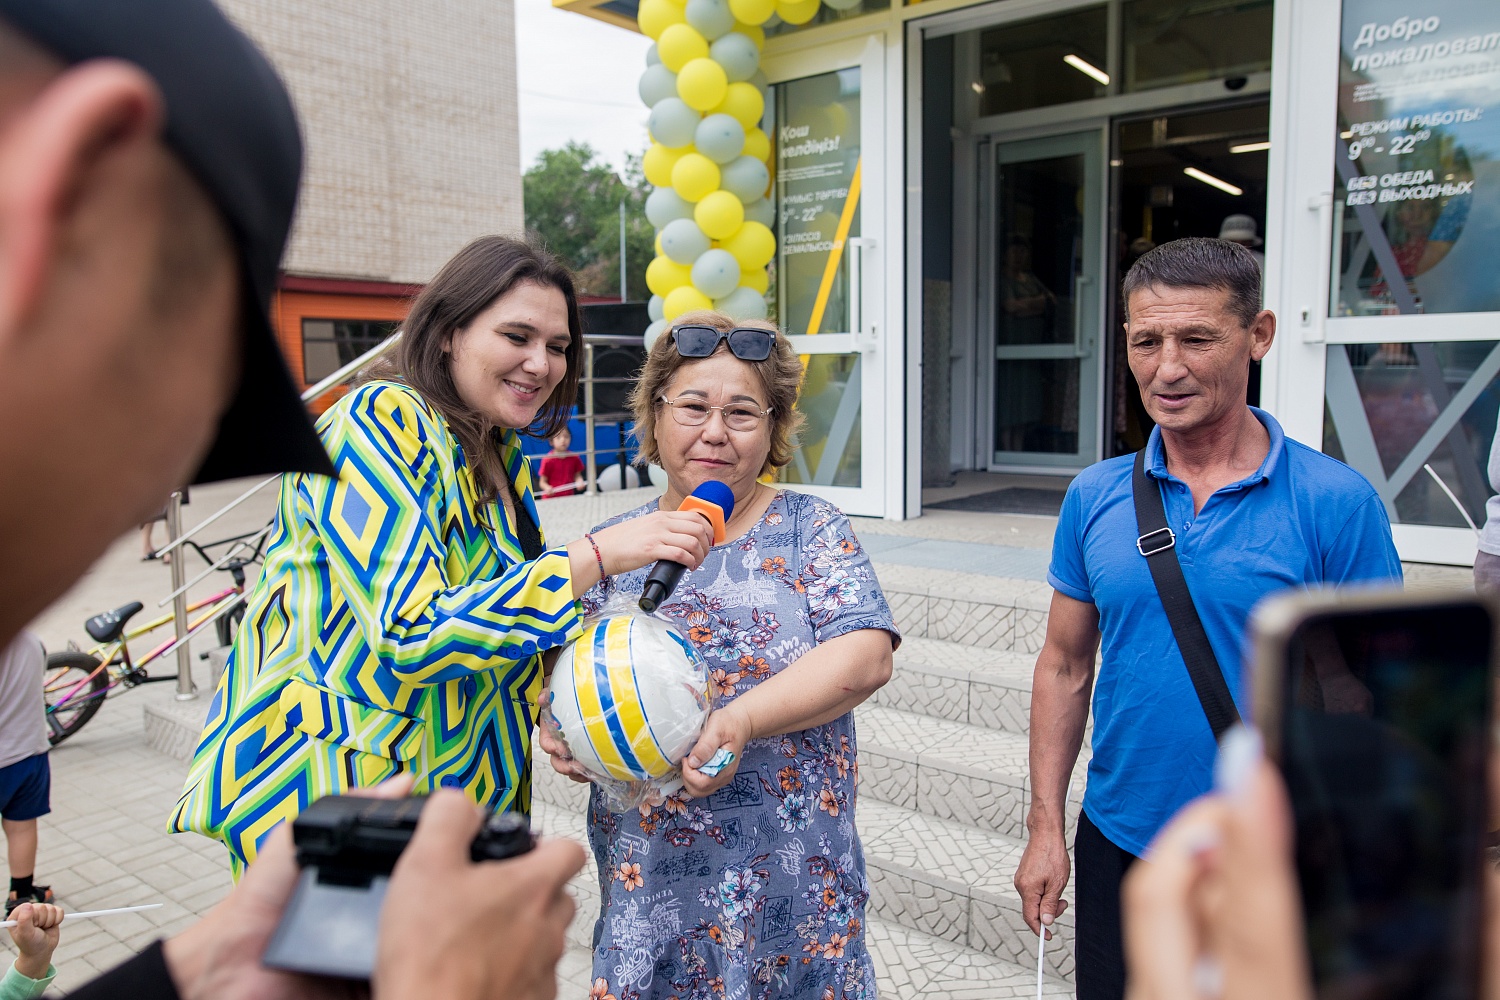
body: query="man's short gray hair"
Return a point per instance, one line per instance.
(1200, 262)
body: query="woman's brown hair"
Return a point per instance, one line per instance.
(467, 285)
(780, 375)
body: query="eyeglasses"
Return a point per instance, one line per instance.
(748, 343)
(693, 412)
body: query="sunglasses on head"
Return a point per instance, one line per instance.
(748, 343)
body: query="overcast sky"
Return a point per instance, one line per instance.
(577, 80)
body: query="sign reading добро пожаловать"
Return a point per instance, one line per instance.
(1418, 158)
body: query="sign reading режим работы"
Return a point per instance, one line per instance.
(1417, 161)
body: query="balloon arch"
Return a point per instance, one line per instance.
(709, 158)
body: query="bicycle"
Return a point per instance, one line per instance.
(77, 681)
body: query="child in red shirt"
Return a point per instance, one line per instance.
(562, 473)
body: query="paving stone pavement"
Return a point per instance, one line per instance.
(105, 844)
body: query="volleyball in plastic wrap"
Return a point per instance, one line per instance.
(630, 697)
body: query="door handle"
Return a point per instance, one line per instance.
(1082, 347)
(1321, 205)
(865, 338)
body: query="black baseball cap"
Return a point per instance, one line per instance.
(231, 122)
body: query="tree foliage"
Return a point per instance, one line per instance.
(573, 202)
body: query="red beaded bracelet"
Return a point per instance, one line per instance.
(598, 558)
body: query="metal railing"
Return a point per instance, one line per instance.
(591, 419)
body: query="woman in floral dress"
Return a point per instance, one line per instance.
(750, 884)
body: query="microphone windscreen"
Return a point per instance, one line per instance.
(717, 494)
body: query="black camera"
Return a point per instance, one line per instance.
(347, 847)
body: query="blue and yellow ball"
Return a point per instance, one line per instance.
(630, 696)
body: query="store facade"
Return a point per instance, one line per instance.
(959, 188)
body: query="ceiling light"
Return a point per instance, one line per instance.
(1212, 181)
(1087, 68)
(1250, 147)
(1346, 135)
(977, 87)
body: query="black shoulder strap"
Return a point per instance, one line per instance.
(1158, 544)
(526, 529)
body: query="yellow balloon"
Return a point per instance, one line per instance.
(659, 251)
(752, 11)
(658, 163)
(757, 279)
(719, 215)
(679, 45)
(754, 32)
(694, 175)
(740, 101)
(684, 299)
(655, 16)
(664, 275)
(702, 84)
(799, 12)
(757, 144)
(753, 246)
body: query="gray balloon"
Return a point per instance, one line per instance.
(721, 138)
(656, 308)
(745, 178)
(664, 205)
(653, 57)
(716, 274)
(657, 84)
(672, 122)
(683, 241)
(737, 54)
(742, 303)
(763, 84)
(761, 210)
(654, 331)
(712, 18)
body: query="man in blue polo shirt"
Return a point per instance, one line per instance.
(1253, 513)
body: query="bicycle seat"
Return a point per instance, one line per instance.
(107, 627)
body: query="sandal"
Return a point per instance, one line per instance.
(39, 894)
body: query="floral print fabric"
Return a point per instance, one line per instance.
(759, 890)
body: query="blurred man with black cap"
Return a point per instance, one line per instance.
(149, 162)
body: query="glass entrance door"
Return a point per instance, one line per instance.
(1043, 265)
(829, 286)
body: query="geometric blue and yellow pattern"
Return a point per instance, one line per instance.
(396, 628)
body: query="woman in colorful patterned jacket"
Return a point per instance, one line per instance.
(400, 622)
(751, 883)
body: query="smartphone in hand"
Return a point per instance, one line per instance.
(1378, 705)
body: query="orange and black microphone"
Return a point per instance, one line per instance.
(716, 503)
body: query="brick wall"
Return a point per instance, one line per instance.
(410, 122)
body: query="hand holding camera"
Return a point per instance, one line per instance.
(350, 849)
(455, 929)
(450, 926)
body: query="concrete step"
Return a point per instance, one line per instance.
(972, 609)
(909, 964)
(960, 683)
(953, 882)
(948, 770)
(940, 877)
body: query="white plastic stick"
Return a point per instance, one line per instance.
(94, 913)
(1041, 949)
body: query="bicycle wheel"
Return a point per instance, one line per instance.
(75, 687)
